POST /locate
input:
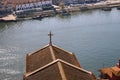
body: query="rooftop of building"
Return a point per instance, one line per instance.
(18, 2)
(53, 63)
(60, 70)
(21, 1)
(115, 70)
(48, 54)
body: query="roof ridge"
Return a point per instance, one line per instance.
(53, 62)
(52, 52)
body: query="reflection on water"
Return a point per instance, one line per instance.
(93, 36)
(9, 71)
(8, 63)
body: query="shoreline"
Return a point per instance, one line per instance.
(71, 8)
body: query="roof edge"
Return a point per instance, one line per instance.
(62, 49)
(38, 50)
(48, 46)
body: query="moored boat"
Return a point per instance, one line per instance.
(107, 8)
(65, 13)
(37, 17)
(84, 8)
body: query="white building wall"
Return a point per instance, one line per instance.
(43, 2)
(39, 4)
(32, 5)
(27, 6)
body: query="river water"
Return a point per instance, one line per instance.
(94, 37)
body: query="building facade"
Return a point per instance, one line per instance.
(17, 5)
(5, 8)
(27, 6)
(69, 2)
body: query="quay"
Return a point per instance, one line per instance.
(36, 15)
(100, 5)
(70, 8)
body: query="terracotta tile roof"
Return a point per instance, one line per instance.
(110, 71)
(18, 2)
(116, 70)
(15, 3)
(107, 71)
(22, 1)
(60, 70)
(48, 54)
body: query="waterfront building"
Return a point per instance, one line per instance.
(26, 4)
(69, 2)
(112, 73)
(32, 5)
(53, 63)
(91, 1)
(24, 8)
(1, 6)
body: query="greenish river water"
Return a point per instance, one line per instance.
(94, 37)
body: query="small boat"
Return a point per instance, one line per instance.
(107, 8)
(65, 13)
(37, 17)
(84, 8)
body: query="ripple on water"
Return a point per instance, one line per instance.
(8, 58)
(9, 48)
(9, 53)
(4, 64)
(7, 79)
(3, 51)
(9, 71)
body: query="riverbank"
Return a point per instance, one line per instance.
(58, 10)
(104, 4)
(10, 17)
(99, 5)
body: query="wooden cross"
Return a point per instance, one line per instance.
(50, 35)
